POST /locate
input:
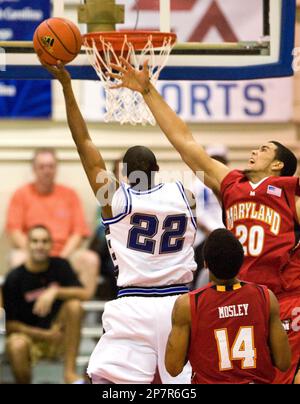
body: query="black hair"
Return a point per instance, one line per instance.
(223, 254)
(140, 159)
(39, 226)
(221, 159)
(287, 157)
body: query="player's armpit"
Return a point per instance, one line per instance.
(179, 338)
(191, 198)
(278, 340)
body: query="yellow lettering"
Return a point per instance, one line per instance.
(253, 212)
(275, 228)
(248, 207)
(235, 213)
(229, 219)
(261, 213)
(269, 216)
(241, 211)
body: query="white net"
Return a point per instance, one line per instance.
(124, 105)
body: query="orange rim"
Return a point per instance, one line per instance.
(138, 39)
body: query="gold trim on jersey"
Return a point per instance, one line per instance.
(224, 288)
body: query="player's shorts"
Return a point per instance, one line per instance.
(136, 330)
(290, 316)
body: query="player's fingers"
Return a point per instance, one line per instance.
(116, 87)
(146, 66)
(52, 69)
(48, 67)
(114, 75)
(60, 65)
(118, 68)
(126, 63)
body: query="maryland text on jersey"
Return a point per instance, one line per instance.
(254, 211)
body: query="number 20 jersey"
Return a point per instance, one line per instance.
(263, 217)
(151, 236)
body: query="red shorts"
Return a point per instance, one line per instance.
(290, 316)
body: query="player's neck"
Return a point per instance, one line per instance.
(145, 182)
(223, 282)
(141, 187)
(256, 177)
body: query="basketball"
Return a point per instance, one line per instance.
(57, 39)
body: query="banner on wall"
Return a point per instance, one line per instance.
(208, 21)
(195, 101)
(23, 98)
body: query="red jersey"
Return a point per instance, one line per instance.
(263, 217)
(229, 335)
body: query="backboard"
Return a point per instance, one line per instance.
(217, 39)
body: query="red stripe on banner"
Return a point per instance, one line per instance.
(214, 18)
(176, 5)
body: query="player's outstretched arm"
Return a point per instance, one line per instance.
(91, 158)
(174, 128)
(278, 341)
(179, 338)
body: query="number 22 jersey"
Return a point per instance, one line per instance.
(263, 217)
(151, 236)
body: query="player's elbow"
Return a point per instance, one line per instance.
(173, 369)
(283, 359)
(173, 366)
(284, 363)
(283, 366)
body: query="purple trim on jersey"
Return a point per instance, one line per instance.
(182, 191)
(153, 291)
(149, 191)
(121, 216)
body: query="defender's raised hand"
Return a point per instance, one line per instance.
(136, 80)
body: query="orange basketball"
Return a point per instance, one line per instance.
(57, 39)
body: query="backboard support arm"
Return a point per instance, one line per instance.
(101, 15)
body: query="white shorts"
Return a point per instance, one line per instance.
(134, 343)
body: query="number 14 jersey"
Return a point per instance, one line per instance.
(229, 335)
(151, 236)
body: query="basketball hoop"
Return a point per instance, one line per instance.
(104, 48)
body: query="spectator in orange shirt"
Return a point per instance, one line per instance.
(59, 209)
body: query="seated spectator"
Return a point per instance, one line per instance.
(43, 311)
(58, 208)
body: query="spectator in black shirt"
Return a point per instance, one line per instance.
(43, 310)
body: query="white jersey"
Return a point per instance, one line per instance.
(151, 236)
(209, 211)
